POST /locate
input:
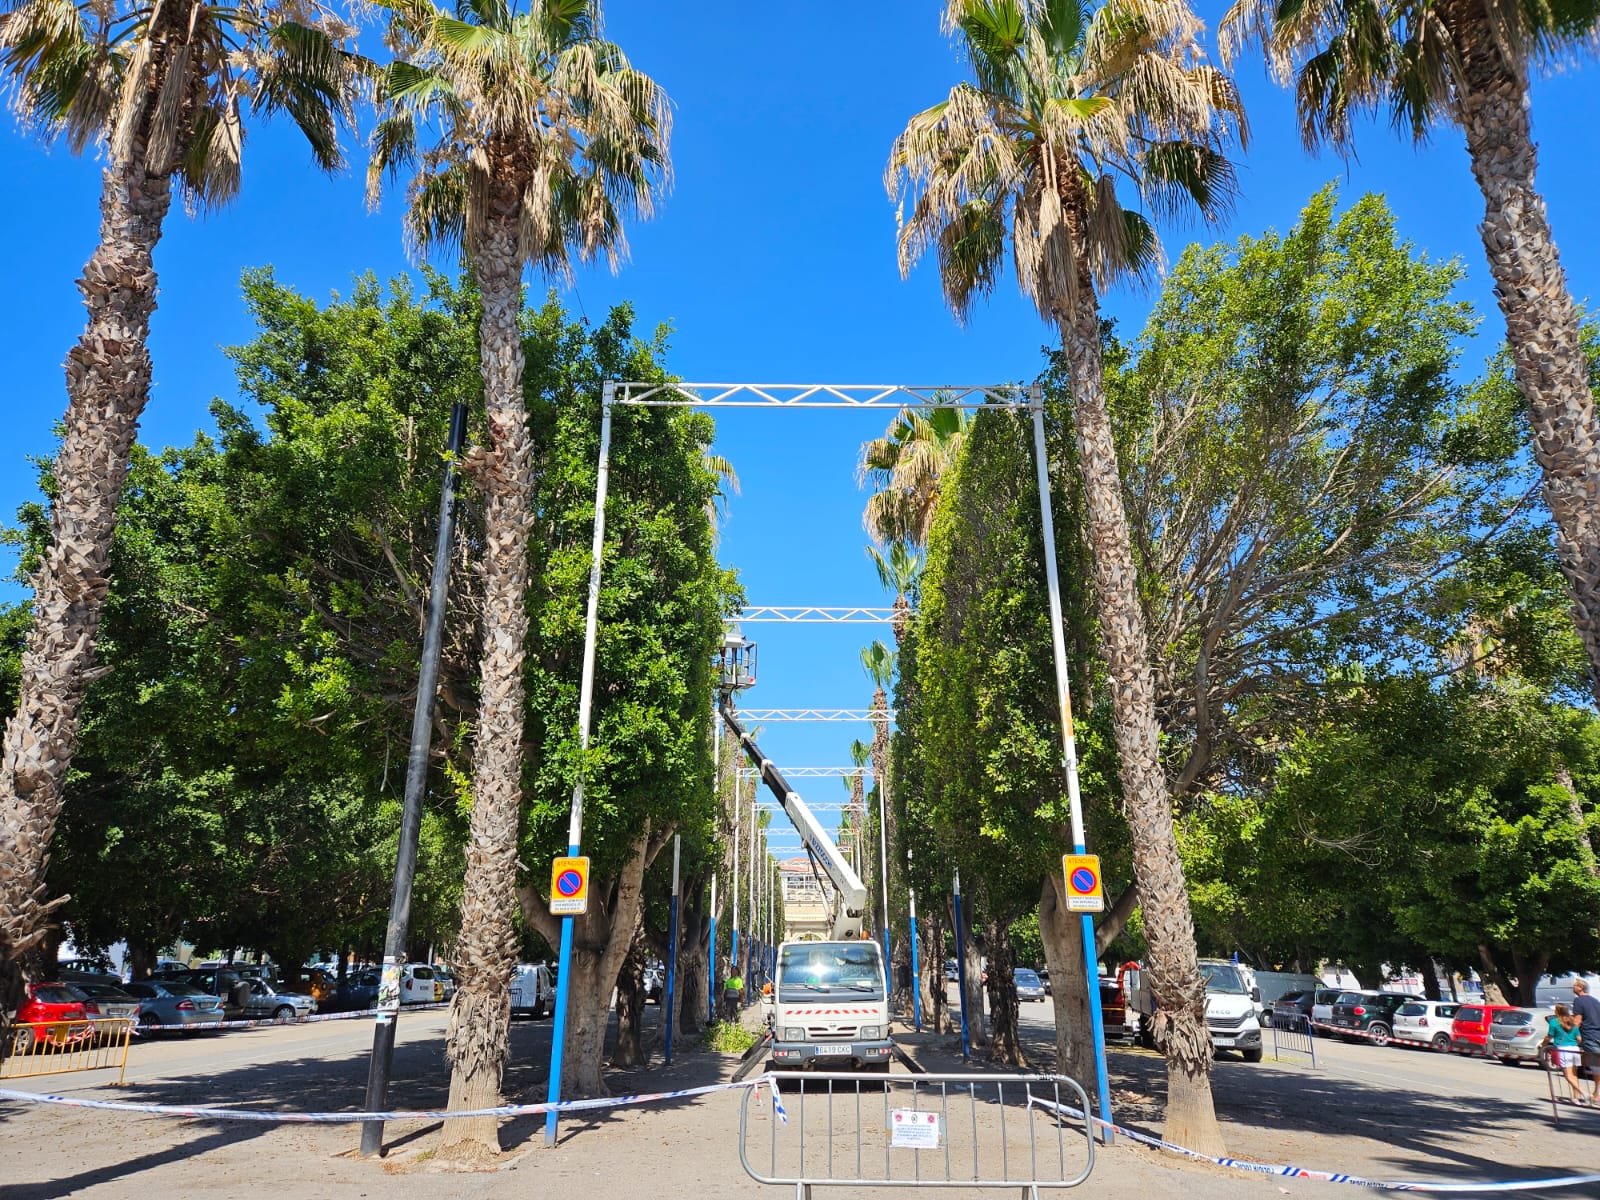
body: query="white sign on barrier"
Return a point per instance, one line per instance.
(914, 1130)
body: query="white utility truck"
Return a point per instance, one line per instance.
(1230, 1007)
(829, 1004)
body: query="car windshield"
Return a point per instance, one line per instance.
(1515, 1016)
(1412, 1010)
(1350, 998)
(1222, 978)
(1468, 1015)
(421, 973)
(810, 968)
(55, 995)
(183, 989)
(102, 991)
(1027, 978)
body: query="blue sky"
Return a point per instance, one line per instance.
(773, 259)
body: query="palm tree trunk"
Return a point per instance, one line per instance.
(1180, 1024)
(1541, 320)
(480, 1017)
(880, 768)
(108, 384)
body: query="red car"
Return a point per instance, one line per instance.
(1469, 1032)
(52, 1004)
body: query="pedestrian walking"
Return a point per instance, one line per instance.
(1561, 1035)
(732, 996)
(1587, 1009)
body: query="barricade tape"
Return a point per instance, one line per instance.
(353, 1118)
(1391, 1040)
(261, 1022)
(1289, 1172)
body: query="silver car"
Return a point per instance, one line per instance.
(114, 1003)
(1515, 1035)
(265, 1001)
(171, 1004)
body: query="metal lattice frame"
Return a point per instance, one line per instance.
(810, 772)
(764, 715)
(814, 615)
(826, 395)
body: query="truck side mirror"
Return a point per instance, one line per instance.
(1255, 994)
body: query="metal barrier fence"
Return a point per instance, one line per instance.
(56, 1047)
(941, 1131)
(1292, 1032)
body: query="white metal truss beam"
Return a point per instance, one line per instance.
(762, 715)
(815, 614)
(824, 395)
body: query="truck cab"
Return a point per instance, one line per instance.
(829, 1006)
(1231, 1001)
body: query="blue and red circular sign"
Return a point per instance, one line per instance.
(569, 883)
(1084, 881)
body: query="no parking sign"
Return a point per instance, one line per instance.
(1085, 890)
(569, 887)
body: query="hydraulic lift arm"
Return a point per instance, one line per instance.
(850, 891)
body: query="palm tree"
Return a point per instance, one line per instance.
(163, 90)
(541, 138)
(877, 660)
(898, 571)
(906, 465)
(1065, 100)
(860, 752)
(1466, 63)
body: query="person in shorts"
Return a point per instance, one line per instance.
(1587, 1009)
(1561, 1035)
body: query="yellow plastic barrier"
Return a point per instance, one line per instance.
(56, 1047)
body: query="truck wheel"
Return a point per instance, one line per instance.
(1252, 1055)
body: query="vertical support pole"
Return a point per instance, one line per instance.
(711, 966)
(672, 952)
(755, 918)
(738, 807)
(916, 975)
(405, 867)
(1069, 744)
(961, 970)
(591, 628)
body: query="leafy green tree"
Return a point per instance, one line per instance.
(164, 89)
(1065, 97)
(544, 138)
(1466, 63)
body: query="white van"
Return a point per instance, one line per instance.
(418, 985)
(1557, 989)
(533, 993)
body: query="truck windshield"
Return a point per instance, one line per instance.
(813, 968)
(1221, 977)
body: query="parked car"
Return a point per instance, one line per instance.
(418, 985)
(533, 991)
(1322, 1002)
(1044, 974)
(114, 1003)
(359, 991)
(446, 978)
(655, 987)
(170, 1002)
(52, 1013)
(1369, 1013)
(86, 970)
(1469, 1031)
(1425, 1023)
(1028, 984)
(1516, 1034)
(950, 973)
(266, 1001)
(1295, 1003)
(226, 984)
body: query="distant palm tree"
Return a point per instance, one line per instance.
(1466, 63)
(542, 138)
(878, 661)
(1066, 98)
(899, 571)
(860, 754)
(163, 89)
(906, 465)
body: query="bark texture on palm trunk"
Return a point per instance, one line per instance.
(1542, 324)
(1180, 1023)
(108, 384)
(880, 770)
(480, 1017)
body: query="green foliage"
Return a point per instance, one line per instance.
(728, 1037)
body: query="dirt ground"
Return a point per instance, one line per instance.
(1383, 1113)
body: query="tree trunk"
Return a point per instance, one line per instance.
(930, 971)
(1180, 1021)
(1541, 320)
(629, 1051)
(108, 384)
(690, 982)
(1531, 966)
(1006, 1045)
(971, 977)
(480, 1016)
(1495, 977)
(1062, 934)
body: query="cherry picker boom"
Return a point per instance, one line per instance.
(829, 1000)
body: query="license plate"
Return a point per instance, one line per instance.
(1222, 1041)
